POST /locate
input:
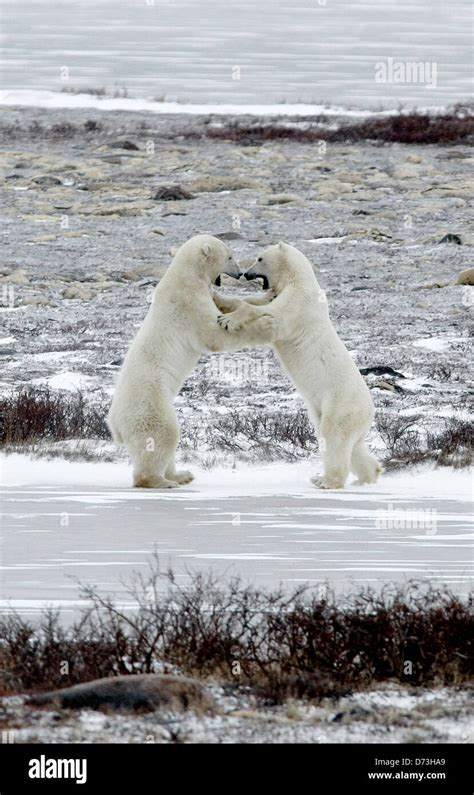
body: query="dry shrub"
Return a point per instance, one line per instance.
(408, 442)
(409, 128)
(271, 434)
(35, 414)
(304, 643)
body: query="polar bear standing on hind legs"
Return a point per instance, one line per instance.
(180, 326)
(317, 362)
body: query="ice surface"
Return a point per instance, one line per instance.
(268, 524)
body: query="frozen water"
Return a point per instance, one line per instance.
(64, 521)
(250, 51)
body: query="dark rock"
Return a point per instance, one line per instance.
(47, 180)
(229, 236)
(451, 239)
(129, 145)
(135, 692)
(381, 370)
(114, 159)
(92, 125)
(359, 712)
(172, 193)
(356, 713)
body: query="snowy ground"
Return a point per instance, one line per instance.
(80, 521)
(80, 268)
(54, 100)
(385, 715)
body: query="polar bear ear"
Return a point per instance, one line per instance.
(206, 249)
(281, 245)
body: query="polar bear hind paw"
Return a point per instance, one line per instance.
(183, 476)
(369, 477)
(324, 483)
(156, 482)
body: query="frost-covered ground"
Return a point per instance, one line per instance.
(386, 715)
(86, 242)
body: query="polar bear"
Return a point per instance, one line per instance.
(317, 362)
(180, 326)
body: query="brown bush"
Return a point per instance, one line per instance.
(409, 128)
(34, 414)
(273, 434)
(286, 644)
(408, 442)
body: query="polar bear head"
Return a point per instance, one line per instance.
(279, 265)
(208, 257)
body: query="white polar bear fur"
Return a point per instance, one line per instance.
(317, 362)
(180, 326)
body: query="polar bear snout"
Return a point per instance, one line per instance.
(254, 275)
(233, 274)
(229, 268)
(259, 270)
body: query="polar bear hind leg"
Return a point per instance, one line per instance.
(364, 465)
(149, 466)
(337, 440)
(152, 445)
(183, 476)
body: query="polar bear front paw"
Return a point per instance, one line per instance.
(270, 294)
(230, 323)
(263, 327)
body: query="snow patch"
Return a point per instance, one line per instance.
(53, 99)
(424, 482)
(68, 380)
(437, 344)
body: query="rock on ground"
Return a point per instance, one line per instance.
(134, 692)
